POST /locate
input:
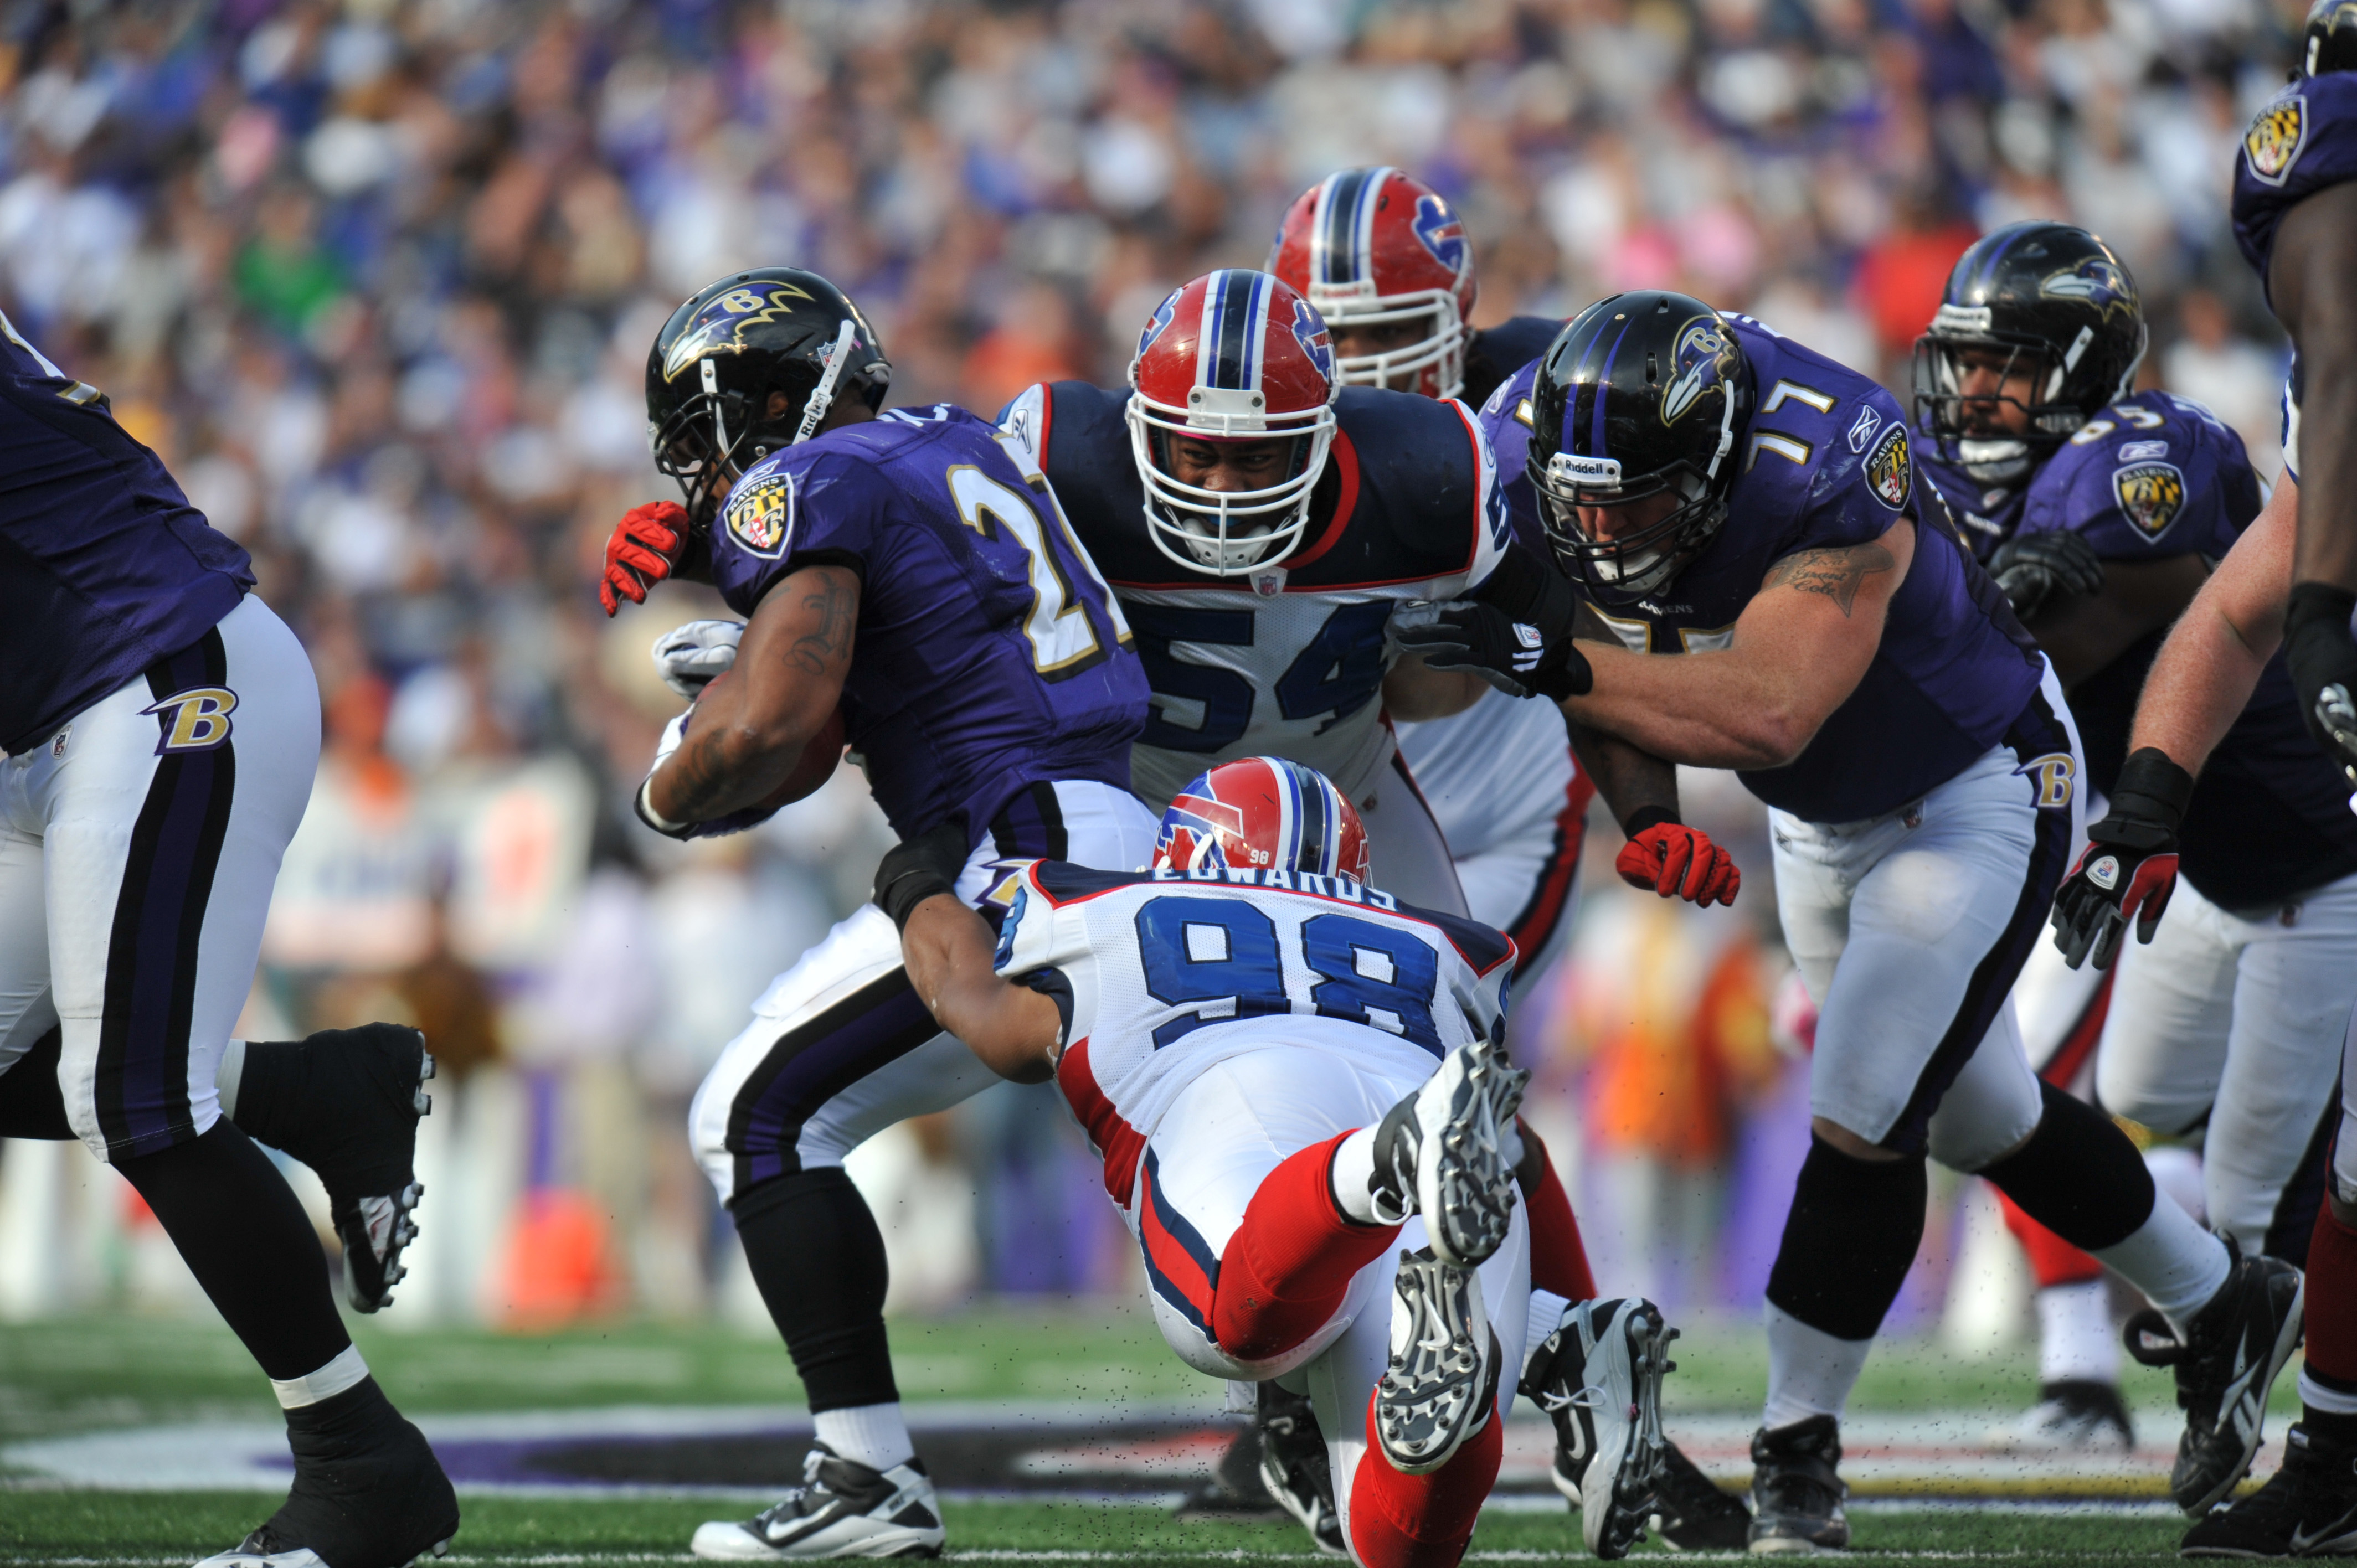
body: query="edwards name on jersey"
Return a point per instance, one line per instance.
(1159, 973)
(104, 566)
(988, 655)
(1287, 660)
(1827, 463)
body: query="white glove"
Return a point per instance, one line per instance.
(689, 657)
(672, 734)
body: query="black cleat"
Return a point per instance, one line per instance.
(368, 1494)
(1293, 1466)
(2226, 1364)
(1796, 1490)
(843, 1509)
(2308, 1508)
(1599, 1377)
(1692, 1513)
(346, 1102)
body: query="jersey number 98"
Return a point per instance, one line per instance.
(1226, 954)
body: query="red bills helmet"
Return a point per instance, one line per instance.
(1371, 246)
(1235, 356)
(1259, 813)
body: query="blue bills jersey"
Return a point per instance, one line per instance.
(1827, 463)
(2302, 141)
(1160, 974)
(104, 566)
(1286, 660)
(989, 655)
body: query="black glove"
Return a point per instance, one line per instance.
(2322, 654)
(1512, 655)
(2030, 568)
(915, 869)
(2130, 865)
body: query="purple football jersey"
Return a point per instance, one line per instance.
(2303, 140)
(989, 655)
(104, 566)
(1827, 462)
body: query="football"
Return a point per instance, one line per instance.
(815, 766)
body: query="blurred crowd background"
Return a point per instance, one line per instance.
(377, 280)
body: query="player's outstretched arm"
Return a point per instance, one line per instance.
(1012, 1028)
(1799, 649)
(2203, 676)
(2082, 634)
(750, 725)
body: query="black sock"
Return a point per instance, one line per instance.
(243, 1234)
(819, 1259)
(270, 1091)
(2325, 1424)
(32, 1105)
(2078, 1176)
(1849, 1240)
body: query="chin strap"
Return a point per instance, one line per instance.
(823, 398)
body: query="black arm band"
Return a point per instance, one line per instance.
(900, 896)
(645, 813)
(2153, 792)
(2313, 602)
(1645, 817)
(1531, 591)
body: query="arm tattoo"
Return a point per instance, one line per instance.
(1835, 572)
(815, 651)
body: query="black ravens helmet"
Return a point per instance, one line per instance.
(1640, 397)
(2331, 38)
(717, 360)
(2039, 328)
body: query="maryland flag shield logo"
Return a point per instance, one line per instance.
(761, 515)
(1890, 470)
(2150, 495)
(2272, 142)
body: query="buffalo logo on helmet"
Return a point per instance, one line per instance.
(719, 326)
(1197, 830)
(1310, 332)
(1442, 232)
(2150, 495)
(2099, 282)
(1697, 362)
(2272, 142)
(761, 515)
(1891, 469)
(1164, 314)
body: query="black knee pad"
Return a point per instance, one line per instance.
(818, 1258)
(1849, 1241)
(32, 1104)
(2078, 1176)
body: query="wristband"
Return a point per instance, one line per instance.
(2318, 602)
(899, 897)
(647, 813)
(1645, 817)
(2152, 793)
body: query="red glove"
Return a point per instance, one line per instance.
(644, 548)
(1676, 861)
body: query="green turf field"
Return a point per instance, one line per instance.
(114, 1371)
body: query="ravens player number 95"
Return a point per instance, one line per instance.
(910, 588)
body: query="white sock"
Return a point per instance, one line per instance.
(227, 1075)
(870, 1435)
(2177, 1264)
(1810, 1371)
(1353, 1167)
(2075, 1340)
(1546, 1316)
(346, 1372)
(2324, 1400)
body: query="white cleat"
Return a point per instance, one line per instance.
(841, 1510)
(1444, 1152)
(1442, 1382)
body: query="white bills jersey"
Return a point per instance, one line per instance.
(1160, 974)
(1287, 659)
